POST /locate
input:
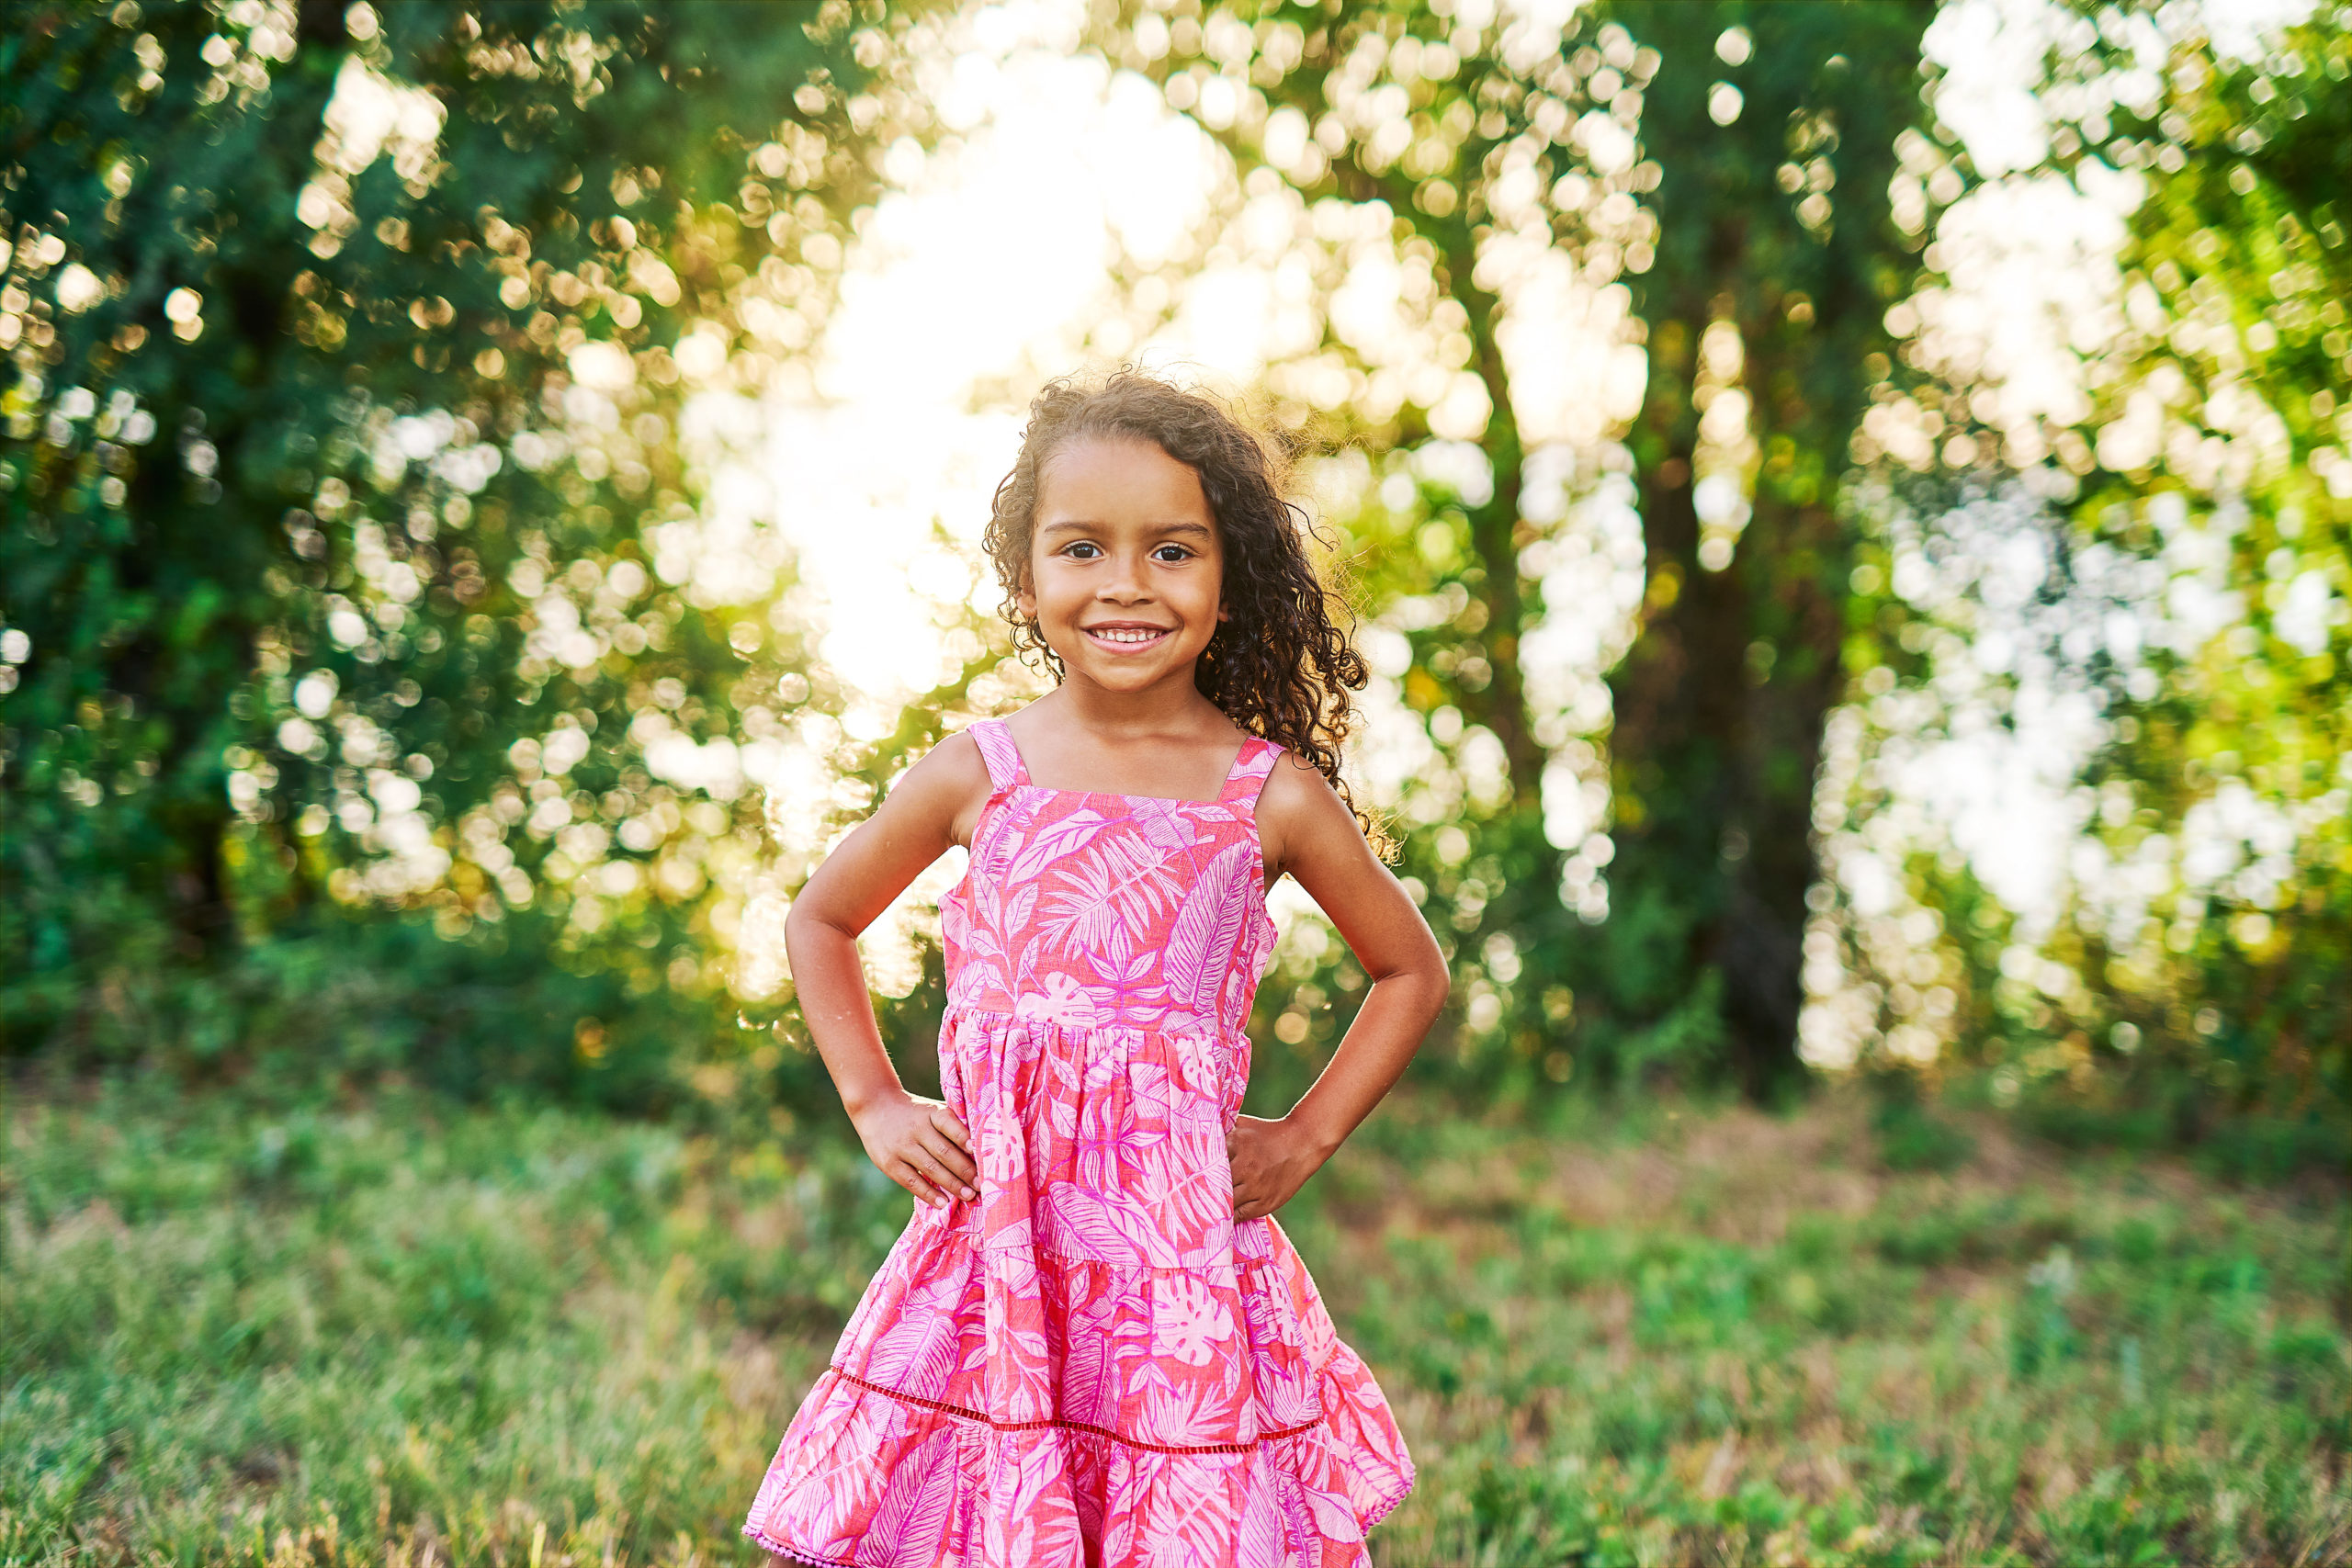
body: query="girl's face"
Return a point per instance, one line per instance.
(1126, 569)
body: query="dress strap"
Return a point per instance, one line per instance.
(1249, 772)
(1004, 758)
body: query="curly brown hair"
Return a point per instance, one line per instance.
(1283, 665)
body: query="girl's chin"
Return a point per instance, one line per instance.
(1128, 672)
(1118, 675)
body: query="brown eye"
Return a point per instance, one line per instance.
(1170, 553)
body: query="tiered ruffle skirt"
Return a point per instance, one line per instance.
(1091, 1364)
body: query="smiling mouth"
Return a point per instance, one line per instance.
(1127, 637)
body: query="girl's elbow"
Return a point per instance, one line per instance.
(803, 923)
(1440, 978)
(1436, 987)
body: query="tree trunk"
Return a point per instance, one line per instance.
(1496, 537)
(1721, 703)
(1719, 708)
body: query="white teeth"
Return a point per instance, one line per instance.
(1123, 635)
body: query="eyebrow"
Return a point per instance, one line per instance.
(1080, 524)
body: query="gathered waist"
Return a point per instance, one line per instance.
(998, 1013)
(1064, 1002)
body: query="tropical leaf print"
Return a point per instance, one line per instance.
(917, 1351)
(1197, 1197)
(1019, 911)
(1094, 1363)
(1260, 1535)
(913, 1512)
(1063, 1001)
(1334, 1519)
(1166, 823)
(1050, 842)
(1109, 898)
(1190, 1324)
(1090, 1383)
(1201, 940)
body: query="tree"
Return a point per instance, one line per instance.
(2244, 248)
(349, 349)
(2196, 507)
(1732, 164)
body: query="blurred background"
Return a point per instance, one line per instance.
(1847, 505)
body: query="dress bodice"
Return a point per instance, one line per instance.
(1083, 908)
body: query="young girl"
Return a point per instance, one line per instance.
(1093, 1345)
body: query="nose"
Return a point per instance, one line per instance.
(1125, 583)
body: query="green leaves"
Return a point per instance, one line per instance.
(2197, 515)
(1512, 161)
(348, 349)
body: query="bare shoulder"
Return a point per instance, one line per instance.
(1300, 812)
(948, 786)
(1296, 785)
(957, 756)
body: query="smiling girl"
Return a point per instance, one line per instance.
(1093, 1344)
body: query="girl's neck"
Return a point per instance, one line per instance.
(1175, 704)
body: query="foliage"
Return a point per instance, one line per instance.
(2248, 364)
(393, 679)
(353, 475)
(2184, 535)
(1911, 1135)
(322, 1337)
(1677, 164)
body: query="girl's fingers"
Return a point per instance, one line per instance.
(949, 1128)
(934, 1172)
(957, 1163)
(910, 1176)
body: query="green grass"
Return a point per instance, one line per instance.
(543, 1338)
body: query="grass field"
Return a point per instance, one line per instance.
(406, 1337)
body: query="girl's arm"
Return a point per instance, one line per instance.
(916, 1142)
(1309, 833)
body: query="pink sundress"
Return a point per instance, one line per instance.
(1094, 1365)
